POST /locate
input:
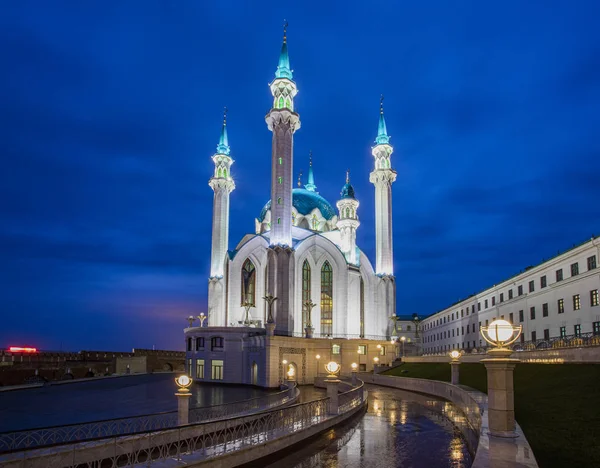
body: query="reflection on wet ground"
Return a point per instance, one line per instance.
(400, 429)
(107, 399)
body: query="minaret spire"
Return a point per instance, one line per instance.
(382, 177)
(311, 177)
(283, 67)
(223, 146)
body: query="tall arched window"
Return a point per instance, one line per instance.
(305, 290)
(326, 299)
(362, 308)
(248, 282)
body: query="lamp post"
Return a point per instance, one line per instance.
(183, 398)
(191, 319)
(402, 339)
(309, 305)
(331, 382)
(269, 298)
(202, 317)
(318, 357)
(354, 369)
(500, 369)
(454, 363)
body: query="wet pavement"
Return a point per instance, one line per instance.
(399, 429)
(107, 399)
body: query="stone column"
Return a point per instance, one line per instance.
(501, 399)
(454, 375)
(183, 407)
(332, 394)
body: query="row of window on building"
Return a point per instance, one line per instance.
(216, 369)
(216, 343)
(591, 264)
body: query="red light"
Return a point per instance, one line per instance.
(18, 349)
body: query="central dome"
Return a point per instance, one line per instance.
(305, 201)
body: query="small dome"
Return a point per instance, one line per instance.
(305, 201)
(347, 191)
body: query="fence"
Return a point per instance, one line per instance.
(47, 436)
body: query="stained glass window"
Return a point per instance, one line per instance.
(326, 299)
(248, 282)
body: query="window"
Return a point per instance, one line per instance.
(532, 313)
(533, 336)
(335, 349)
(462, 330)
(546, 334)
(511, 318)
(462, 313)
(520, 290)
(189, 367)
(217, 369)
(543, 282)
(362, 349)
(382, 351)
(563, 332)
(248, 283)
(486, 304)
(473, 328)
(531, 286)
(596, 328)
(279, 200)
(576, 302)
(452, 315)
(199, 368)
(561, 306)
(494, 300)
(486, 323)
(591, 261)
(280, 180)
(559, 275)
(574, 269)
(577, 330)
(326, 299)
(501, 297)
(189, 344)
(521, 318)
(280, 161)
(199, 343)
(472, 309)
(594, 297)
(408, 327)
(545, 310)
(478, 306)
(305, 290)
(278, 220)
(216, 342)
(362, 367)
(510, 294)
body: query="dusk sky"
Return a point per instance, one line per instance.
(110, 112)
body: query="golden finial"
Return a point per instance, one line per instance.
(347, 176)
(225, 116)
(381, 105)
(285, 25)
(300, 179)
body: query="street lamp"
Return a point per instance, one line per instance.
(354, 367)
(333, 368)
(454, 363)
(183, 395)
(403, 339)
(455, 355)
(202, 318)
(500, 334)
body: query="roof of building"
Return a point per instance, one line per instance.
(305, 201)
(347, 189)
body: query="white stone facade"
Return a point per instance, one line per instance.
(558, 298)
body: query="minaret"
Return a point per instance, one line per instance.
(222, 184)
(283, 122)
(348, 221)
(382, 177)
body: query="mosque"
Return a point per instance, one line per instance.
(300, 273)
(302, 248)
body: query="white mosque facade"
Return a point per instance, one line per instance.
(302, 248)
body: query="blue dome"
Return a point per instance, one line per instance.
(305, 201)
(347, 191)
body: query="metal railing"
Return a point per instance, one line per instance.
(54, 435)
(352, 398)
(558, 342)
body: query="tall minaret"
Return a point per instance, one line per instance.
(382, 177)
(348, 221)
(283, 122)
(222, 184)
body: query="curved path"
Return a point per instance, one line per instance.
(400, 429)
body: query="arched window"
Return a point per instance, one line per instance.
(362, 308)
(225, 172)
(280, 104)
(326, 299)
(315, 223)
(248, 282)
(288, 103)
(305, 290)
(347, 212)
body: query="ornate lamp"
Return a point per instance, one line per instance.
(191, 319)
(333, 368)
(500, 334)
(309, 305)
(354, 366)
(183, 383)
(270, 299)
(455, 355)
(202, 317)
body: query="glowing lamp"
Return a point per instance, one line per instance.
(333, 368)
(183, 383)
(354, 366)
(376, 359)
(19, 349)
(403, 338)
(501, 333)
(318, 356)
(284, 362)
(378, 346)
(455, 355)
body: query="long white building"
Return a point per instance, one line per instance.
(558, 298)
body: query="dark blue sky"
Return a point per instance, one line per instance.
(110, 112)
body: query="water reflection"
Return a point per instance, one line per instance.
(400, 429)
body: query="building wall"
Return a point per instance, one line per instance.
(457, 327)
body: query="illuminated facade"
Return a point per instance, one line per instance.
(302, 249)
(556, 299)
